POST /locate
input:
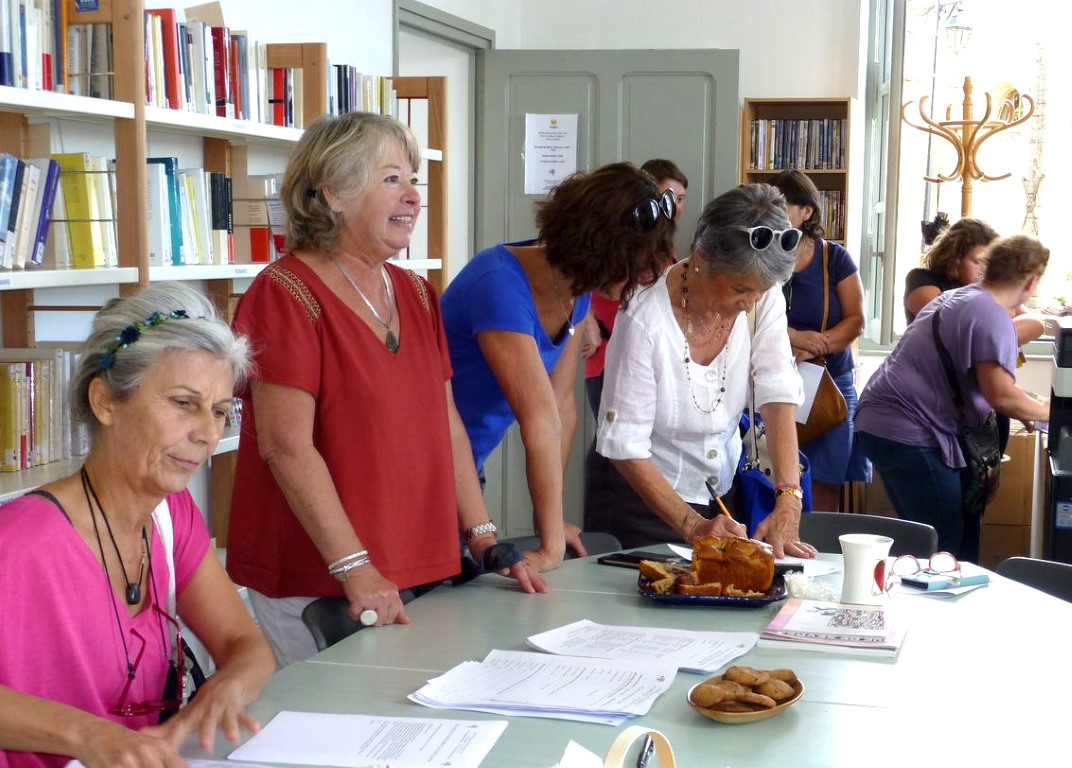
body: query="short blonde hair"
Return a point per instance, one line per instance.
(342, 154)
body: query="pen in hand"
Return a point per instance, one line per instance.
(645, 752)
(717, 500)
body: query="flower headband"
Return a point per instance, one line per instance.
(132, 333)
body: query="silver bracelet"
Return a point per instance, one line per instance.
(342, 572)
(348, 558)
(479, 530)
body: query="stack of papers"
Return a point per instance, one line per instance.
(360, 741)
(689, 651)
(814, 625)
(562, 687)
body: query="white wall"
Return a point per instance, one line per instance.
(789, 48)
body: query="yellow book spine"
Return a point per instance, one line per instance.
(83, 210)
(9, 418)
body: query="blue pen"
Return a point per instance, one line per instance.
(645, 752)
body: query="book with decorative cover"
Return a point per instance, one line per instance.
(814, 625)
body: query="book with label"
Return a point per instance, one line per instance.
(11, 223)
(47, 187)
(171, 170)
(815, 625)
(26, 226)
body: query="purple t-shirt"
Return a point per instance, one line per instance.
(908, 400)
(61, 640)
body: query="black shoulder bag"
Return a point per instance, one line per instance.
(979, 444)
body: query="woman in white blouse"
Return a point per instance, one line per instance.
(678, 379)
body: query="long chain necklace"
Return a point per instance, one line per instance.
(687, 318)
(391, 341)
(569, 317)
(133, 589)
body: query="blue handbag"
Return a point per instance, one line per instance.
(755, 486)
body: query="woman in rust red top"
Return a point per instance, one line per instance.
(354, 473)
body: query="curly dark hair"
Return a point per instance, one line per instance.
(800, 190)
(587, 231)
(955, 242)
(1014, 259)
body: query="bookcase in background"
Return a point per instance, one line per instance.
(27, 129)
(811, 135)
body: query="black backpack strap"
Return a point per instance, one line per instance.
(947, 362)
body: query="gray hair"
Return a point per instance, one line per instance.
(343, 154)
(123, 367)
(726, 248)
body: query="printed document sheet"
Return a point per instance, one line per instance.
(358, 741)
(538, 685)
(689, 651)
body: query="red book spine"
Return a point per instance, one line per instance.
(221, 64)
(279, 96)
(236, 88)
(170, 41)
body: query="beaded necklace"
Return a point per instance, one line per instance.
(721, 328)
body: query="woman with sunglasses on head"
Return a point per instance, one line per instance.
(513, 317)
(825, 310)
(680, 369)
(907, 420)
(97, 567)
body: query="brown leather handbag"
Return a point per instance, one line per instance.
(829, 409)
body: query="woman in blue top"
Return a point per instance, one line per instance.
(835, 457)
(513, 319)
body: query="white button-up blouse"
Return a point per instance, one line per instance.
(649, 412)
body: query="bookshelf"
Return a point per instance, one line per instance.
(26, 118)
(811, 135)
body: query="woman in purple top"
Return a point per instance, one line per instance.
(907, 422)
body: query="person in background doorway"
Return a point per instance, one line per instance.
(353, 474)
(513, 317)
(835, 457)
(953, 260)
(907, 421)
(98, 567)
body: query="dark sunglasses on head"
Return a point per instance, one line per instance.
(763, 237)
(646, 213)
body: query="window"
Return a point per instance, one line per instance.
(922, 51)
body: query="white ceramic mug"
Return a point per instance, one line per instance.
(862, 551)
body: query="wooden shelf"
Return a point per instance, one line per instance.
(205, 272)
(19, 279)
(827, 180)
(238, 131)
(62, 105)
(15, 484)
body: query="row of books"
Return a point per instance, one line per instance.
(196, 65)
(832, 207)
(27, 191)
(804, 144)
(31, 32)
(35, 424)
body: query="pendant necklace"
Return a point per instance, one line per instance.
(711, 375)
(132, 593)
(391, 341)
(569, 317)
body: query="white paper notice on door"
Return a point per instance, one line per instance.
(550, 151)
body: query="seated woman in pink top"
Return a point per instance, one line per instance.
(96, 567)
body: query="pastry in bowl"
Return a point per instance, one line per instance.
(743, 694)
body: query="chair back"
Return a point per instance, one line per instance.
(822, 529)
(1044, 575)
(328, 619)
